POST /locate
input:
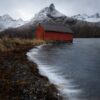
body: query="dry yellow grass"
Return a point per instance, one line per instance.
(8, 44)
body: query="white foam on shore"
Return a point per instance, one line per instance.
(65, 86)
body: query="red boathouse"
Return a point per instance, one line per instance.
(53, 32)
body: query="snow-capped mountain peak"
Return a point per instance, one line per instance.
(52, 7)
(88, 18)
(47, 13)
(53, 12)
(6, 22)
(6, 16)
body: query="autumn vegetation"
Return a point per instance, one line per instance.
(14, 44)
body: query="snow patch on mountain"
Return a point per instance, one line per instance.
(48, 13)
(88, 18)
(51, 15)
(6, 22)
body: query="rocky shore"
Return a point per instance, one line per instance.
(20, 78)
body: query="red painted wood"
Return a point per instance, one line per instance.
(39, 32)
(52, 36)
(58, 36)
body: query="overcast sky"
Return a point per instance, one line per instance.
(26, 9)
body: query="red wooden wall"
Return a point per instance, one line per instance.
(58, 36)
(39, 32)
(52, 36)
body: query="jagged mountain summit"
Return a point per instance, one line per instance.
(48, 12)
(6, 22)
(48, 15)
(88, 18)
(51, 15)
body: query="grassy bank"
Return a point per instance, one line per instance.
(20, 78)
(14, 44)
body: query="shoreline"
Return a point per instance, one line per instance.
(20, 78)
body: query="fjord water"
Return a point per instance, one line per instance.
(74, 67)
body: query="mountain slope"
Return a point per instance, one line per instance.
(88, 18)
(6, 22)
(51, 15)
(78, 23)
(48, 11)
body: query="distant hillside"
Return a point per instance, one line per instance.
(89, 18)
(7, 22)
(24, 31)
(84, 29)
(80, 24)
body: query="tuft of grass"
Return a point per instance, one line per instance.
(10, 44)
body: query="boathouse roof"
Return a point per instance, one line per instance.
(56, 28)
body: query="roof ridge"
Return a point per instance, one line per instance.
(54, 24)
(56, 27)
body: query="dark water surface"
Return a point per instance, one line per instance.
(75, 68)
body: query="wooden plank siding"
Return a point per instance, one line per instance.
(57, 36)
(42, 34)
